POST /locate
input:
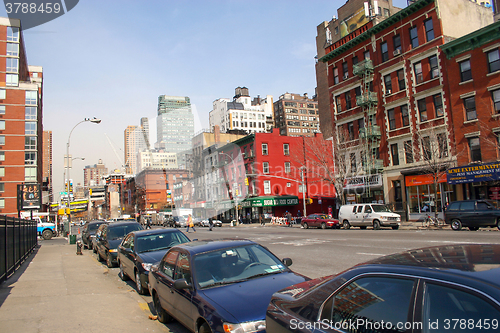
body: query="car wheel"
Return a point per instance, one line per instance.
(204, 328)
(323, 225)
(456, 224)
(395, 227)
(346, 224)
(163, 316)
(306, 226)
(473, 228)
(109, 262)
(138, 284)
(121, 274)
(47, 234)
(376, 225)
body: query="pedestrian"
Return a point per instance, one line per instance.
(289, 218)
(261, 219)
(190, 223)
(210, 223)
(240, 219)
(148, 222)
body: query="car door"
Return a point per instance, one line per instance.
(366, 216)
(182, 298)
(485, 215)
(101, 247)
(467, 212)
(165, 280)
(357, 217)
(127, 255)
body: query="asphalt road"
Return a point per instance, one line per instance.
(317, 252)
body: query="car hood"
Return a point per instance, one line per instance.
(152, 257)
(113, 243)
(248, 301)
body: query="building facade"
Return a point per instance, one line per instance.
(136, 140)
(47, 189)
(94, 175)
(156, 159)
(21, 127)
(296, 115)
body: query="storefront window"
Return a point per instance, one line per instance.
(421, 197)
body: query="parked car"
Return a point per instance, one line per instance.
(364, 215)
(472, 214)
(433, 289)
(319, 221)
(108, 238)
(179, 222)
(217, 223)
(218, 285)
(140, 249)
(89, 231)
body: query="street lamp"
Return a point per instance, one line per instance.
(92, 120)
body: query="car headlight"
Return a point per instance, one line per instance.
(146, 266)
(248, 327)
(384, 217)
(113, 250)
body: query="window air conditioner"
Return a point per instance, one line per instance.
(388, 92)
(397, 52)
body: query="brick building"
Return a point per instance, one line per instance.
(21, 128)
(296, 115)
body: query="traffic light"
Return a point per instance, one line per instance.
(246, 181)
(309, 201)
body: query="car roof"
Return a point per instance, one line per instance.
(480, 262)
(97, 222)
(213, 244)
(120, 223)
(148, 232)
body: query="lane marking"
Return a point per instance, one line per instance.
(144, 306)
(371, 254)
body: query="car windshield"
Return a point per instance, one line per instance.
(231, 265)
(381, 209)
(119, 231)
(156, 242)
(94, 226)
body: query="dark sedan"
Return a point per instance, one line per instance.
(219, 285)
(140, 249)
(322, 221)
(109, 236)
(89, 231)
(453, 288)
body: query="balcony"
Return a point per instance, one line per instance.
(370, 133)
(367, 98)
(363, 67)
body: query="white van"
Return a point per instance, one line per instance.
(363, 215)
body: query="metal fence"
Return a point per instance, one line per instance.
(18, 239)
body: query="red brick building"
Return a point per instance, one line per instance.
(21, 129)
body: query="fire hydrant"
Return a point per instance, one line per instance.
(79, 247)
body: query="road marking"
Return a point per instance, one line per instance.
(144, 306)
(371, 254)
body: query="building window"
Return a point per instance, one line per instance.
(348, 100)
(392, 119)
(12, 65)
(401, 79)
(13, 49)
(338, 102)
(2, 203)
(286, 149)
(30, 158)
(388, 84)
(408, 152)
(345, 70)
(442, 145)
(405, 117)
(465, 71)
(361, 123)
(2, 187)
(31, 97)
(366, 55)
(30, 143)
(265, 167)
(426, 148)
(352, 159)
(2, 172)
(267, 187)
(419, 76)
(474, 150)
(3, 94)
(385, 51)
(470, 108)
(12, 34)
(287, 167)
(30, 127)
(336, 75)
(493, 61)
(422, 110)
(357, 92)
(350, 130)
(438, 105)
(11, 79)
(433, 62)
(395, 154)
(429, 29)
(2, 125)
(2, 109)
(396, 40)
(414, 37)
(264, 149)
(30, 174)
(355, 60)
(30, 113)
(2, 140)
(387, 13)
(2, 156)
(495, 95)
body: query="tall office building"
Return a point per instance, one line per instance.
(21, 128)
(136, 141)
(175, 126)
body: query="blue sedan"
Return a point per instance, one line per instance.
(219, 285)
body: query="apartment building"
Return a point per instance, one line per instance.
(296, 115)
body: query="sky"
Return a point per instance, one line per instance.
(112, 59)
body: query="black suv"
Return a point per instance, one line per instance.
(472, 214)
(89, 232)
(109, 236)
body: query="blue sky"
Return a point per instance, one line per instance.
(112, 59)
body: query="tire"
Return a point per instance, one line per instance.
(47, 234)
(456, 224)
(396, 227)
(163, 316)
(138, 284)
(306, 226)
(376, 225)
(121, 274)
(346, 224)
(473, 228)
(323, 225)
(109, 262)
(204, 328)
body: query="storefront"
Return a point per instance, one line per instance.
(363, 189)
(477, 181)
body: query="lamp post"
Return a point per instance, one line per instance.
(92, 120)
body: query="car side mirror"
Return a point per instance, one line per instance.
(181, 284)
(287, 262)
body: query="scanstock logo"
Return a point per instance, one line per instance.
(33, 13)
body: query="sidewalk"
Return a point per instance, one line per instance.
(59, 291)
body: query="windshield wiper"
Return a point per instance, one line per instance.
(264, 274)
(220, 283)
(158, 249)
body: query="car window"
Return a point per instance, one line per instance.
(163, 241)
(167, 265)
(372, 301)
(454, 206)
(381, 209)
(482, 205)
(119, 231)
(183, 269)
(354, 209)
(368, 209)
(360, 209)
(467, 205)
(455, 310)
(128, 242)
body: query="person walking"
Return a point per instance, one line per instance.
(148, 222)
(190, 223)
(210, 223)
(289, 218)
(261, 219)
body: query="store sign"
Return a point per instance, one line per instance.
(363, 181)
(474, 173)
(28, 196)
(427, 179)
